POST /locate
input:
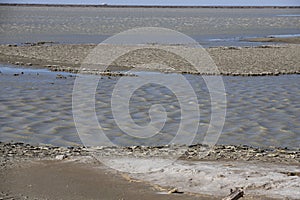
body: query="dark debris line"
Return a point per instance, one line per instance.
(11, 151)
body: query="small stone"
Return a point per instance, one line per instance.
(59, 76)
(234, 48)
(60, 157)
(273, 155)
(11, 45)
(221, 176)
(293, 173)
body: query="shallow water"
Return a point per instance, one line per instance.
(210, 27)
(37, 108)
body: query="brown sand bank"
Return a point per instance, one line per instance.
(262, 60)
(48, 172)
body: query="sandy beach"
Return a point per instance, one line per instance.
(43, 172)
(244, 61)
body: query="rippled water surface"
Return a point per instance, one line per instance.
(210, 27)
(36, 107)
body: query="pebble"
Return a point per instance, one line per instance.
(12, 45)
(60, 157)
(59, 76)
(193, 152)
(234, 48)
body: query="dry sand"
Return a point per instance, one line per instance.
(262, 60)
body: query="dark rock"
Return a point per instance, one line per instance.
(59, 76)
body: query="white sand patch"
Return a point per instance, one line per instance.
(217, 177)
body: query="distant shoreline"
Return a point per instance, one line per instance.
(291, 40)
(147, 6)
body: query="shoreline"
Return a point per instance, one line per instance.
(147, 6)
(266, 60)
(195, 152)
(291, 40)
(21, 166)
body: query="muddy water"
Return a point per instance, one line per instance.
(36, 107)
(210, 27)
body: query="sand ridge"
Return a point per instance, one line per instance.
(235, 61)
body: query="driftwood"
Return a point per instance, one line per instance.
(175, 191)
(235, 194)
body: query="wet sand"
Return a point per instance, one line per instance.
(40, 173)
(245, 61)
(74, 180)
(48, 172)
